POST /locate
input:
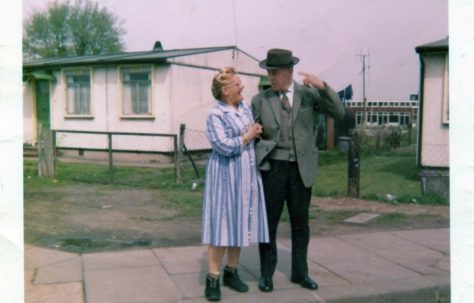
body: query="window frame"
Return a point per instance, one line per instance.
(121, 70)
(78, 71)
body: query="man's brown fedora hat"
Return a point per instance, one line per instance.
(278, 58)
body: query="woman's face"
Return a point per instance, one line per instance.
(232, 92)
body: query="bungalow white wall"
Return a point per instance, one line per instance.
(180, 94)
(435, 127)
(433, 139)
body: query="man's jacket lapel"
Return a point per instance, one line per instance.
(295, 108)
(275, 105)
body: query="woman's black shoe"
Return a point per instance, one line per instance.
(213, 290)
(232, 280)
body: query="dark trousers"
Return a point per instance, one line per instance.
(283, 183)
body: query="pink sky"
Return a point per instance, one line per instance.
(326, 35)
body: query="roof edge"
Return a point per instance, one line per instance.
(436, 46)
(116, 57)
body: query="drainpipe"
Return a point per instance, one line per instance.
(420, 112)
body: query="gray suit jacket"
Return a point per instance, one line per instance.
(308, 102)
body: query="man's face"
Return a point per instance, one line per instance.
(280, 79)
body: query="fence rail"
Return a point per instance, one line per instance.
(128, 143)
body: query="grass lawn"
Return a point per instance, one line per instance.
(384, 176)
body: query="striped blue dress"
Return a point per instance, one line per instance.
(234, 205)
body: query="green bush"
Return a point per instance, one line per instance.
(392, 137)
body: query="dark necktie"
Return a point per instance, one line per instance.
(285, 101)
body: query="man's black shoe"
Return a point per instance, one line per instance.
(306, 282)
(265, 284)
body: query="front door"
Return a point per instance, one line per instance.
(42, 104)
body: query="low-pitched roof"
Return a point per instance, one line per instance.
(436, 46)
(126, 57)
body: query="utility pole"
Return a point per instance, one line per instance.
(364, 99)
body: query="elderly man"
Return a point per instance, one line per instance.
(287, 156)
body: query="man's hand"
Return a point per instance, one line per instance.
(310, 79)
(254, 131)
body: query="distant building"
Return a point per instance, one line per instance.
(433, 138)
(390, 113)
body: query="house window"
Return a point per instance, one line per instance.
(136, 91)
(394, 118)
(78, 92)
(373, 118)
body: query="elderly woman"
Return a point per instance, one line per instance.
(234, 212)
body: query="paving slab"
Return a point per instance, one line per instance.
(120, 259)
(250, 259)
(361, 218)
(441, 280)
(179, 260)
(354, 264)
(130, 285)
(69, 270)
(29, 275)
(38, 256)
(398, 250)
(444, 263)
(437, 239)
(374, 288)
(332, 248)
(54, 293)
(324, 277)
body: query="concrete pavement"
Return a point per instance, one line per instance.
(395, 266)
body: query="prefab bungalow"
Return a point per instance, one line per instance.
(433, 137)
(140, 92)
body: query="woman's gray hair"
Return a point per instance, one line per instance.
(224, 77)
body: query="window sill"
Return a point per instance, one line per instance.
(79, 117)
(137, 117)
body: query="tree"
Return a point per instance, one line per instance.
(72, 30)
(46, 34)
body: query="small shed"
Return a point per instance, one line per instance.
(433, 138)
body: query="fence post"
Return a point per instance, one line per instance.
(55, 155)
(353, 188)
(111, 161)
(179, 158)
(409, 131)
(45, 153)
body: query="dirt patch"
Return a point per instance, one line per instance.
(87, 217)
(90, 217)
(393, 216)
(333, 204)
